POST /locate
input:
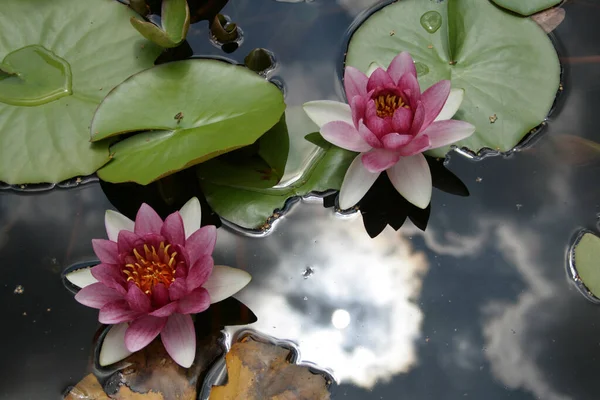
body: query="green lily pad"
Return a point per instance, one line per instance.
(506, 64)
(175, 24)
(261, 165)
(587, 262)
(183, 113)
(57, 68)
(251, 201)
(250, 207)
(528, 7)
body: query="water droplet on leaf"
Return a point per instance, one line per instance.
(431, 21)
(421, 68)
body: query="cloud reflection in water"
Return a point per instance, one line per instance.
(357, 313)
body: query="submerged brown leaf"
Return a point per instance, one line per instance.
(259, 371)
(151, 374)
(550, 19)
(87, 389)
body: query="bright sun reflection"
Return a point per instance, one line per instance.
(357, 314)
(340, 319)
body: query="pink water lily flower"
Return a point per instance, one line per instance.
(153, 275)
(391, 123)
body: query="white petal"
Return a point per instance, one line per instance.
(116, 222)
(372, 67)
(113, 346)
(225, 281)
(324, 111)
(452, 104)
(357, 182)
(412, 179)
(179, 338)
(82, 277)
(191, 213)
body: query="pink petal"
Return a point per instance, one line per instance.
(412, 179)
(195, 302)
(183, 258)
(97, 295)
(443, 133)
(401, 65)
(147, 220)
(410, 85)
(199, 273)
(117, 312)
(137, 299)
(173, 229)
(368, 136)
(344, 135)
(109, 275)
(418, 145)
(395, 141)
(202, 242)
(178, 289)
(106, 251)
(358, 106)
(418, 119)
(378, 160)
(127, 241)
(402, 120)
(181, 272)
(142, 332)
(355, 82)
(379, 126)
(357, 182)
(378, 80)
(160, 295)
(165, 311)
(434, 99)
(179, 339)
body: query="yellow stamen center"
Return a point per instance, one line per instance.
(152, 267)
(387, 104)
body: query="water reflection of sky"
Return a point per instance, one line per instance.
(476, 307)
(356, 314)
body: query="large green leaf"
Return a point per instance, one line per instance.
(62, 56)
(506, 64)
(261, 165)
(250, 207)
(528, 7)
(587, 262)
(251, 199)
(186, 112)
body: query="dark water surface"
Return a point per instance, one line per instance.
(478, 307)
